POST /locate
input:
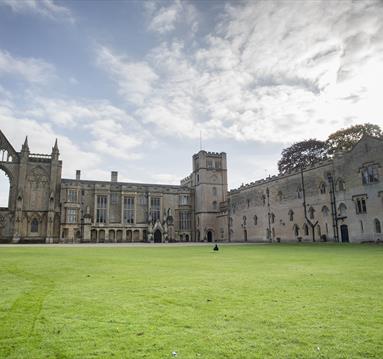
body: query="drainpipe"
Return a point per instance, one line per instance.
(268, 215)
(334, 213)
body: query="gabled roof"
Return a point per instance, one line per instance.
(365, 138)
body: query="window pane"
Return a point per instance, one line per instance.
(155, 203)
(129, 210)
(101, 210)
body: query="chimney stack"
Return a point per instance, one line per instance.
(78, 175)
(114, 176)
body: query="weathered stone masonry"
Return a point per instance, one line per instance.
(338, 199)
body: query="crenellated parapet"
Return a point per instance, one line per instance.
(280, 176)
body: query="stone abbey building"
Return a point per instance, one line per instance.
(340, 199)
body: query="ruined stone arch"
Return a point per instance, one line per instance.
(6, 147)
(12, 182)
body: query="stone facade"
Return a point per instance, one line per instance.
(340, 199)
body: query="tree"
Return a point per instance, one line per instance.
(302, 154)
(346, 138)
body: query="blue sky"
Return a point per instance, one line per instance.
(129, 86)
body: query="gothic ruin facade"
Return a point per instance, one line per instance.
(340, 199)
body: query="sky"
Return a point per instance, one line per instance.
(134, 86)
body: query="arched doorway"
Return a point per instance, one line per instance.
(101, 236)
(344, 233)
(209, 236)
(157, 236)
(93, 235)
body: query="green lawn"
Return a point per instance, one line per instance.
(260, 301)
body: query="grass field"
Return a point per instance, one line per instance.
(254, 301)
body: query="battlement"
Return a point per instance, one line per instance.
(209, 154)
(273, 178)
(186, 180)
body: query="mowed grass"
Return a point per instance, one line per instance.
(245, 301)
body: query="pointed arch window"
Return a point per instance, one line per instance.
(377, 225)
(272, 216)
(342, 210)
(299, 192)
(311, 212)
(34, 226)
(325, 211)
(291, 215)
(296, 230)
(306, 229)
(340, 185)
(255, 218)
(322, 188)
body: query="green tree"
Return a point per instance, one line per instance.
(302, 154)
(346, 138)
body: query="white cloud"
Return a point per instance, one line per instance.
(135, 79)
(269, 71)
(46, 8)
(41, 138)
(30, 69)
(111, 131)
(164, 19)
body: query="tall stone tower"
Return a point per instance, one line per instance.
(209, 179)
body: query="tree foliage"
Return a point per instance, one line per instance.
(346, 138)
(302, 154)
(305, 153)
